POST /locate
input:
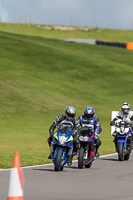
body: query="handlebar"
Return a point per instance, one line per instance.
(124, 123)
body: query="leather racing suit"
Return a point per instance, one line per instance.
(95, 125)
(120, 116)
(57, 121)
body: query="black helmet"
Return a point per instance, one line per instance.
(89, 112)
(125, 107)
(70, 112)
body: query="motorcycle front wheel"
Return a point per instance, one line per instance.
(58, 160)
(121, 152)
(80, 158)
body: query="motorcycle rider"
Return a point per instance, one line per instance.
(125, 115)
(91, 121)
(69, 115)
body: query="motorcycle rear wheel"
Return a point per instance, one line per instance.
(58, 160)
(121, 152)
(80, 158)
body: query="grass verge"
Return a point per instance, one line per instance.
(40, 76)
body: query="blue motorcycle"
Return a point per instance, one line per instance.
(123, 139)
(62, 145)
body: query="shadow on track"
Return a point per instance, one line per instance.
(110, 159)
(52, 170)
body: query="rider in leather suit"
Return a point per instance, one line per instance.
(125, 115)
(69, 115)
(90, 121)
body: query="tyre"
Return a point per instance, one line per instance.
(127, 156)
(89, 165)
(80, 158)
(121, 152)
(61, 168)
(58, 160)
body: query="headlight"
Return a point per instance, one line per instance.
(86, 138)
(81, 138)
(62, 139)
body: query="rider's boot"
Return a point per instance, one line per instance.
(69, 162)
(97, 154)
(49, 157)
(132, 144)
(49, 140)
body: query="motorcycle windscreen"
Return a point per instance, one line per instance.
(113, 115)
(85, 131)
(65, 128)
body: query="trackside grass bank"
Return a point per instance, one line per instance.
(41, 75)
(111, 35)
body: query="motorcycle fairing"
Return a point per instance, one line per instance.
(67, 147)
(122, 140)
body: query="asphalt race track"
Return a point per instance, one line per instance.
(107, 179)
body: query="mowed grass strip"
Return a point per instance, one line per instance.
(112, 35)
(40, 76)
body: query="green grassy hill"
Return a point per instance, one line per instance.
(40, 75)
(40, 30)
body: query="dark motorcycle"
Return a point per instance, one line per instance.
(86, 137)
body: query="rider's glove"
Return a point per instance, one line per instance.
(117, 123)
(112, 123)
(132, 124)
(96, 136)
(51, 133)
(74, 132)
(49, 140)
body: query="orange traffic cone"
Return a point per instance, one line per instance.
(15, 191)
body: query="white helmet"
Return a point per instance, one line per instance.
(125, 107)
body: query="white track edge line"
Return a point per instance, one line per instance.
(113, 154)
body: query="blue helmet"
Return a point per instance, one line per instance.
(89, 112)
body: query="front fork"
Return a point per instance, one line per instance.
(86, 151)
(127, 143)
(66, 152)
